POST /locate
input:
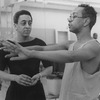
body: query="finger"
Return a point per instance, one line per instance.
(8, 50)
(9, 44)
(5, 43)
(1, 48)
(34, 82)
(34, 79)
(26, 77)
(24, 83)
(17, 58)
(17, 48)
(7, 47)
(17, 44)
(10, 55)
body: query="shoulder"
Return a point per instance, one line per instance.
(93, 46)
(40, 41)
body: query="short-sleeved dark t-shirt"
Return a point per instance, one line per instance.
(29, 67)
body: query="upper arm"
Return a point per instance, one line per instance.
(89, 51)
(50, 47)
(59, 46)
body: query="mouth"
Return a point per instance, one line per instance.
(26, 30)
(69, 25)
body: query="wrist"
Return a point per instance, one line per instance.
(34, 54)
(31, 54)
(40, 75)
(14, 77)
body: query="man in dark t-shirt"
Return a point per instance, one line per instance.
(21, 72)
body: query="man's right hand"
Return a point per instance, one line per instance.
(23, 79)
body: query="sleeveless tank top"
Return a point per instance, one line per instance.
(77, 84)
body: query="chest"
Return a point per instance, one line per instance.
(76, 46)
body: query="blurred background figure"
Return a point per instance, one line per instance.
(95, 35)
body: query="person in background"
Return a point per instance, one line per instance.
(95, 35)
(21, 72)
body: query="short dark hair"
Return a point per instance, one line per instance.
(90, 12)
(19, 13)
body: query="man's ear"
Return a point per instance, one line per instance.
(86, 21)
(15, 26)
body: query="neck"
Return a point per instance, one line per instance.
(23, 39)
(84, 36)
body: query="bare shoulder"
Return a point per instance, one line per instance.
(94, 51)
(59, 46)
(93, 46)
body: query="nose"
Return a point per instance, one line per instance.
(27, 25)
(69, 19)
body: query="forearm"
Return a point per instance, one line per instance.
(61, 56)
(47, 48)
(7, 76)
(38, 48)
(47, 71)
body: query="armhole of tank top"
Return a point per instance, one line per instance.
(86, 43)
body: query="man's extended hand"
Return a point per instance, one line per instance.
(17, 52)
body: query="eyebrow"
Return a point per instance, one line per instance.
(26, 20)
